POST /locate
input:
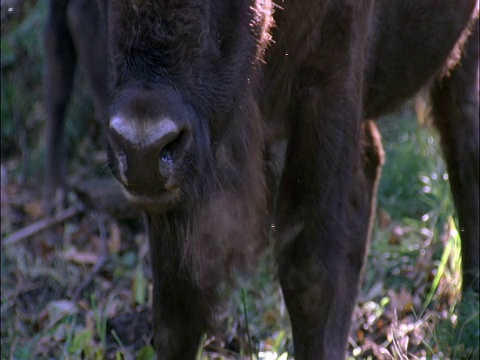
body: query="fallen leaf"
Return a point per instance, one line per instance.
(115, 239)
(34, 209)
(80, 257)
(57, 310)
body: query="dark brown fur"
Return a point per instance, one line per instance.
(232, 95)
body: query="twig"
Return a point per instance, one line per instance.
(43, 224)
(396, 341)
(96, 269)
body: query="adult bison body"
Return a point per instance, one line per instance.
(203, 91)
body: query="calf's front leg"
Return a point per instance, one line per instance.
(326, 191)
(180, 308)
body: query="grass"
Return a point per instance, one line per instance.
(412, 276)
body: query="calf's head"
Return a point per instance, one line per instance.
(184, 116)
(185, 136)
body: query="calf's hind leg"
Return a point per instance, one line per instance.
(74, 27)
(87, 23)
(455, 112)
(60, 60)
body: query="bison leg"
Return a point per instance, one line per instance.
(319, 271)
(180, 308)
(87, 25)
(455, 110)
(323, 209)
(60, 59)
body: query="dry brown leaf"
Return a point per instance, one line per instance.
(360, 336)
(269, 318)
(80, 257)
(34, 209)
(396, 236)
(115, 239)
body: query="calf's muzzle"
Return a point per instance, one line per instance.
(147, 153)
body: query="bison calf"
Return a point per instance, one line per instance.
(202, 91)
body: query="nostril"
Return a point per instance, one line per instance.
(122, 162)
(148, 152)
(122, 166)
(174, 149)
(166, 157)
(171, 153)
